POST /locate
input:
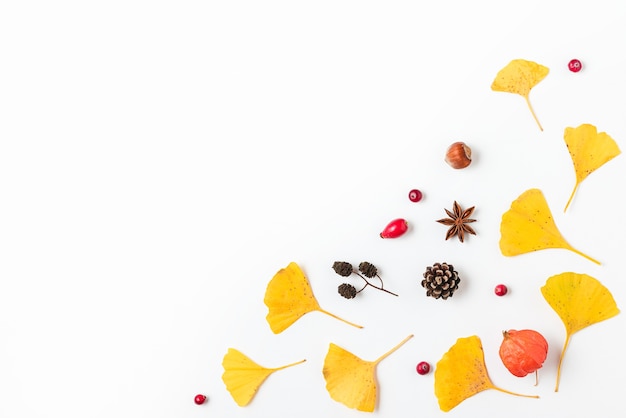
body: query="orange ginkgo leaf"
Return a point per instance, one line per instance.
(589, 151)
(461, 373)
(519, 77)
(528, 226)
(243, 377)
(579, 300)
(289, 296)
(352, 380)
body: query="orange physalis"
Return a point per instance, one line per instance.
(523, 351)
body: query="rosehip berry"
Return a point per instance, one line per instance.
(423, 367)
(199, 399)
(415, 195)
(395, 228)
(501, 290)
(575, 65)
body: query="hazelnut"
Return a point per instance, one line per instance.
(458, 155)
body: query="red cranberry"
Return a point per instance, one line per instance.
(199, 399)
(415, 195)
(575, 65)
(423, 367)
(501, 290)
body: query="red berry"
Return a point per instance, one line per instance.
(199, 399)
(423, 367)
(575, 65)
(415, 195)
(501, 290)
(395, 228)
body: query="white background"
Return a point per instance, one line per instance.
(161, 160)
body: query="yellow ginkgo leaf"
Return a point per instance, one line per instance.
(289, 296)
(580, 301)
(352, 380)
(461, 373)
(243, 377)
(589, 151)
(519, 77)
(528, 226)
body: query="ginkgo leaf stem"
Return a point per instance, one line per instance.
(400, 344)
(571, 197)
(515, 393)
(558, 369)
(586, 256)
(339, 318)
(533, 112)
(289, 365)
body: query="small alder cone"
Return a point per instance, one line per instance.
(368, 269)
(458, 155)
(347, 291)
(342, 268)
(440, 280)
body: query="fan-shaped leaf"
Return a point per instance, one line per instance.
(461, 373)
(352, 380)
(243, 377)
(519, 77)
(289, 296)
(579, 300)
(589, 151)
(528, 226)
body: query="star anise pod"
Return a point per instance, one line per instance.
(458, 221)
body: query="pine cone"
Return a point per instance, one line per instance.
(368, 269)
(342, 268)
(440, 280)
(347, 290)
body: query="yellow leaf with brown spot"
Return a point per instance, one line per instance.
(589, 150)
(289, 297)
(461, 373)
(519, 77)
(528, 226)
(580, 301)
(243, 377)
(351, 380)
